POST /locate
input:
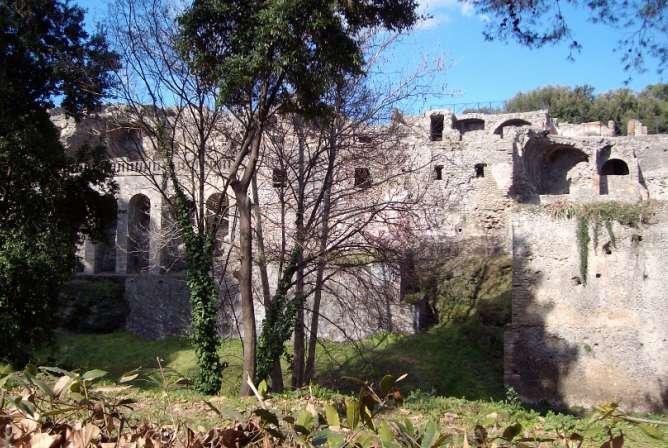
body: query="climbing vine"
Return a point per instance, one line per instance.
(279, 320)
(583, 245)
(203, 299)
(596, 215)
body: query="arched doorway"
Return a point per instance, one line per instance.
(105, 251)
(172, 252)
(139, 220)
(611, 167)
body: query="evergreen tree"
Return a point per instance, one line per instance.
(46, 194)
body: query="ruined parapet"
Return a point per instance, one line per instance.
(635, 127)
(590, 129)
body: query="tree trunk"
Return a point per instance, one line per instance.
(276, 374)
(298, 343)
(315, 317)
(246, 290)
(322, 262)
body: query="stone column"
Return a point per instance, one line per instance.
(122, 237)
(155, 242)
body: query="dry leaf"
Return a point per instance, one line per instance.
(43, 440)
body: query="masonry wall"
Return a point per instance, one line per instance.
(578, 344)
(569, 343)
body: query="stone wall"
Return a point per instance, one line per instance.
(577, 344)
(475, 174)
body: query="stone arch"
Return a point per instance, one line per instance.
(469, 124)
(562, 167)
(549, 168)
(105, 251)
(614, 167)
(217, 206)
(139, 221)
(514, 122)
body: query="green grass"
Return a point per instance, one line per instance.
(462, 360)
(454, 377)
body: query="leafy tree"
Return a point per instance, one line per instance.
(642, 24)
(579, 105)
(573, 105)
(271, 56)
(46, 193)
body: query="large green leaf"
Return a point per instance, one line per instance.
(352, 412)
(430, 435)
(94, 374)
(332, 416)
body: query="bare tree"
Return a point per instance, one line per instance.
(184, 146)
(340, 186)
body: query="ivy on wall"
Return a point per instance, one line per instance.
(594, 216)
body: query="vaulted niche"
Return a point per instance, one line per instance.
(139, 220)
(562, 167)
(612, 167)
(469, 124)
(513, 123)
(615, 167)
(551, 168)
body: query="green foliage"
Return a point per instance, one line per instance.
(580, 105)
(571, 104)
(359, 423)
(582, 236)
(283, 52)
(641, 26)
(92, 305)
(47, 195)
(31, 273)
(377, 414)
(279, 320)
(599, 214)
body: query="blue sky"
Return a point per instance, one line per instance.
(480, 71)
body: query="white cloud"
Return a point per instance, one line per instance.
(465, 7)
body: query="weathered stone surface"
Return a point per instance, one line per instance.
(568, 343)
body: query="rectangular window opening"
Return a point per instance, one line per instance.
(362, 177)
(279, 177)
(438, 172)
(480, 169)
(436, 127)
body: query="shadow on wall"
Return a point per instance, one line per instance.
(536, 361)
(160, 306)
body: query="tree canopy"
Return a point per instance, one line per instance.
(580, 104)
(290, 51)
(46, 194)
(642, 25)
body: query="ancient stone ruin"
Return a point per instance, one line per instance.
(577, 337)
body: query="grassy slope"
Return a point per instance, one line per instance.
(443, 365)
